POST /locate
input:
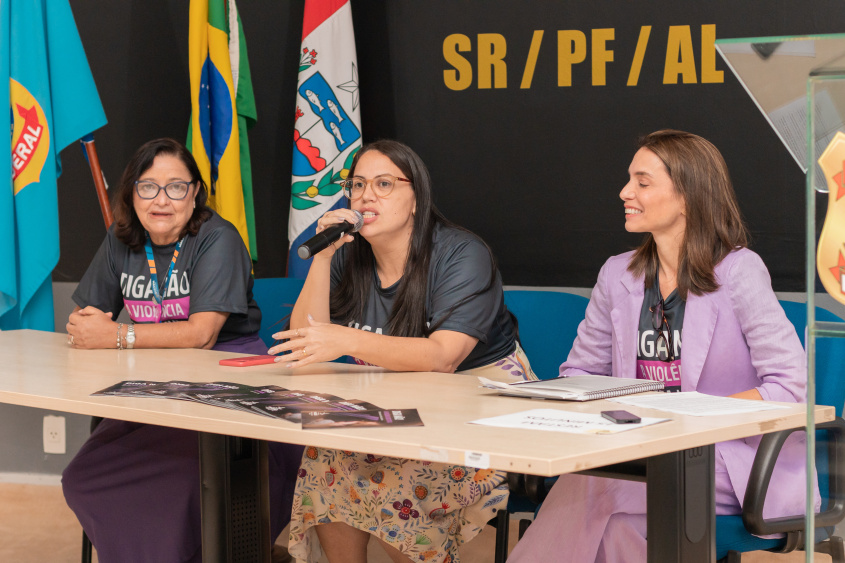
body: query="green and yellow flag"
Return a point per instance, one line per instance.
(223, 108)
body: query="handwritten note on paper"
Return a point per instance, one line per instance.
(696, 404)
(562, 421)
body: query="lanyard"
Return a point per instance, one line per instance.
(152, 263)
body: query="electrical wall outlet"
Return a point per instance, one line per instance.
(54, 435)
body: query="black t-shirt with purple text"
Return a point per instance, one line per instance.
(650, 349)
(459, 272)
(213, 272)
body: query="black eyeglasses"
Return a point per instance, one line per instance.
(658, 319)
(173, 190)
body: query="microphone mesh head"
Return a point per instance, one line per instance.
(359, 222)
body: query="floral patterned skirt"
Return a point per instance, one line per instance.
(425, 510)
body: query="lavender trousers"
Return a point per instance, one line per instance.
(599, 520)
(135, 487)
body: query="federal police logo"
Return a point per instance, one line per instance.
(30, 137)
(830, 260)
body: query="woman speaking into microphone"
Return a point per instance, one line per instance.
(410, 292)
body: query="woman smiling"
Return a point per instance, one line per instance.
(691, 296)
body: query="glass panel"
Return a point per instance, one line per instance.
(825, 87)
(774, 72)
(798, 83)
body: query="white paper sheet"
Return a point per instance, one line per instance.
(790, 123)
(696, 404)
(563, 421)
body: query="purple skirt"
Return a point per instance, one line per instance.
(251, 344)
(135, 488)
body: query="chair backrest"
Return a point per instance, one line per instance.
(275, 298)
(830, 355)
(830, 388)
(548, 323)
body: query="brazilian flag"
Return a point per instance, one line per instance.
(223, 108)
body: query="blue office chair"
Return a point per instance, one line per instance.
(734, 533)
(547, 323)
(276, 298)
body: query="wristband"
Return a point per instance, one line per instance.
(119, 343)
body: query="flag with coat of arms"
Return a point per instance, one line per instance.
(223, 109)
(327, 133)
(52, 101)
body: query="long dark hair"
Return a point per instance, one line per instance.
(128, 228)
(714, 225)
(408, 315)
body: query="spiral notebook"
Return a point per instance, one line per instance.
(573, 387)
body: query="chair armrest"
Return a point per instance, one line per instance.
(537, 488)
(533, 487)
(761, 475)
(516, 483)
(95, 422)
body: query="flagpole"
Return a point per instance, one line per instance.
(99, 180)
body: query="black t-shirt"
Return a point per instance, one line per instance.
(460, 266)
(649, 348)
(212, 273)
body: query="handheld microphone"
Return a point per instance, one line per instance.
(321, 240)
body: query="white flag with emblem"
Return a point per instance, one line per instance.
(328, 121)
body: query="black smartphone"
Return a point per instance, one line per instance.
(620, 417)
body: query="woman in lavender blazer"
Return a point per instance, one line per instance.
(691, 282)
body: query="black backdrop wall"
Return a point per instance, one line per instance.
(531, 161)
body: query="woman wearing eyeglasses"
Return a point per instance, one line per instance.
(184, 276)
(691, 307)
(409, 292)
(179, 269)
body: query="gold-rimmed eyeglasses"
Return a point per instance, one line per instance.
(354, 187)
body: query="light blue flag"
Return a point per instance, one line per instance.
(52, 102)
(8, 279)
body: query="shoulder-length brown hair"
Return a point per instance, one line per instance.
(714, 226)
(127, 226)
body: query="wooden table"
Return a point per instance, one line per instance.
(38, 369)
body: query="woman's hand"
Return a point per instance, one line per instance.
(320, 342)
(91, 328)
(331, 218)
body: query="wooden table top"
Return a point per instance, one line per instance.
(38, 369)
